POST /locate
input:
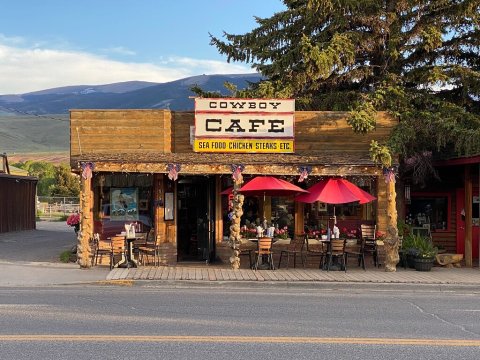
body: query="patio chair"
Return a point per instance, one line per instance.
(315, 248)
(357, 251)
(294, 248)
(246, 249)
(117, 248)
(264, 251)
(370, 243)
(99, 248)
(150, 250)
(336, 250)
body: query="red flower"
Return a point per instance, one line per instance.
(73, 219)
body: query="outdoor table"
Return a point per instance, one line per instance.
(129, 261)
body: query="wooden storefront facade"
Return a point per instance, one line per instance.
(449, 206)
(128, 153)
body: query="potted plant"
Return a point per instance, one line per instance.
(426, 254)
(74, 221)
(409, 250)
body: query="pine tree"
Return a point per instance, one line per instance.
(417, 59)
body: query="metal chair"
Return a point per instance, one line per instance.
(117, 248)
(99, 248)
(244, 250)
(337, 250)
(357, 251)
(319, 250)
(294, 248)
(264, 250)
(370, 242)
(149, 250)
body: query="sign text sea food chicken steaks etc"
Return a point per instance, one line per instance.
(244, 125)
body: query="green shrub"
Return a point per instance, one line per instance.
(424, 247)
(65, 256)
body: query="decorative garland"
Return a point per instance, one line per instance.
(87, 168)
(389, 174)
(304, 172)
(173, 170)
(237, 173)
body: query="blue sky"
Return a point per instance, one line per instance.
(51, 43)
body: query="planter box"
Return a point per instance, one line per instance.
(423, 264)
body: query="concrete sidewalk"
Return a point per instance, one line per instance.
(31, 258)
(213, 273)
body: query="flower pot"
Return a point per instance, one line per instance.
(410, 259)
(423, 264)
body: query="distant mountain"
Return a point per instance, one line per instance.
(173, 95)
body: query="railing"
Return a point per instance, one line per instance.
(55, 207)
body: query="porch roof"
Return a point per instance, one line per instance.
(328, 163)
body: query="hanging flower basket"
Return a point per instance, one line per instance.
(74, 221)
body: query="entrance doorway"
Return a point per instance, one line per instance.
(196, 214)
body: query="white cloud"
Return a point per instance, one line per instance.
(30, 69)
(119, 50)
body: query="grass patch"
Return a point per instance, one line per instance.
(65, 256)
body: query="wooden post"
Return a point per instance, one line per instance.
(468, 216)
(86, 224)
(237, 213)
(391, 239)
(299, 218)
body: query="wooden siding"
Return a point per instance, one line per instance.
(17, 203)
(315, 133)
(328, 131)
(119, 131)
(181, 122)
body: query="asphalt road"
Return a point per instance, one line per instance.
(321, 322)
(29, 258)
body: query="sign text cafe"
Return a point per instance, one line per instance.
(244, 125)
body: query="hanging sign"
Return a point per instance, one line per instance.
(244, 125)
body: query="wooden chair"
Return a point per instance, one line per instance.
(264, 249)
(99, 248)
(357, 251)
(370, 243)
(337, 250)
(294, 248)
(117, 248)
(315, 251)
(151, 249)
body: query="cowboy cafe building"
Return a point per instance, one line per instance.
(169, 173)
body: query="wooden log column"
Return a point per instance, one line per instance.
(84, 252)
(391, 237)
(236, 214)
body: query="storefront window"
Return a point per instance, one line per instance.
(122, 199)
(283, 210)
(429, 211)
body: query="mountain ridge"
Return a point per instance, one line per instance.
(36, 124)
(174, 95)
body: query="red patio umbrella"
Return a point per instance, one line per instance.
(364, 196)
(271, 186)
(227, 191)
(335, 191)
